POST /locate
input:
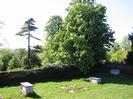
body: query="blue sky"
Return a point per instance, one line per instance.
(15, 12)
(119, 16)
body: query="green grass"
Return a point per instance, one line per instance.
(113, 87)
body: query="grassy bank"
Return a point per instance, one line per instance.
(113, 87)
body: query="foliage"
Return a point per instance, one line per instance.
(130, 37)
(18, 59)
(21, 60)
(28, 26)
(1, 63)
(83, 39)
(129, 59)
(125, 44)
(13, 59)
(82, 1)
(119, 56)
(118, 52)
(37, 48)
(35, 60)
(6, 56)
(53, 26)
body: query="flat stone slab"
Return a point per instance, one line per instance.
(115, 71)
(95, 80)
(26, 84)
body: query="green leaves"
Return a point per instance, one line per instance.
(28, 26)
(53, 26)
(83, 39)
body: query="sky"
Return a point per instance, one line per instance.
(119, 16)
(15, 12)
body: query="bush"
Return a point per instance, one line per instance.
(118, 56)
(18, 58)
(129, 59)
(1, 65)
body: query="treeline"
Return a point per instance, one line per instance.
(18, 59)
(122, 52)
(83, 39)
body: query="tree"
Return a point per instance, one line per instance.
(53, 26)
(17, 59)
(6, 56)
(82, 1)
(35, 60)
(37, 48)
(83, 39)
(130, 38)
(115, 47)
(130, 53)
(125, 44)
(26, 30)
(20, 59)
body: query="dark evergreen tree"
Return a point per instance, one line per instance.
(26, 30)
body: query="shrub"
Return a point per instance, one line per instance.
(118, 57)
(129, 59)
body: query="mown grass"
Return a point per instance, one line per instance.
(113, 87)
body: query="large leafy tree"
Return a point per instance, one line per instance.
(26, 30)
(53, 26)
(84, 38)
(83, 1)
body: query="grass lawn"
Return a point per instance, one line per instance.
(113, 87)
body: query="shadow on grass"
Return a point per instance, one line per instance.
(98, 72)
(115, 79)
(45, 80)
(34, 95)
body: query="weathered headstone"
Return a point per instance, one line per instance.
(26, 88)
(115, 71)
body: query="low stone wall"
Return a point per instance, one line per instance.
(7, 78)
(52, 73)
(10, 77)
(124, 68)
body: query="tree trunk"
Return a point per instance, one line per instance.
(29, 58)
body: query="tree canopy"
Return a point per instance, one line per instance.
(83, 39)
(130, 38)
(53, 26)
